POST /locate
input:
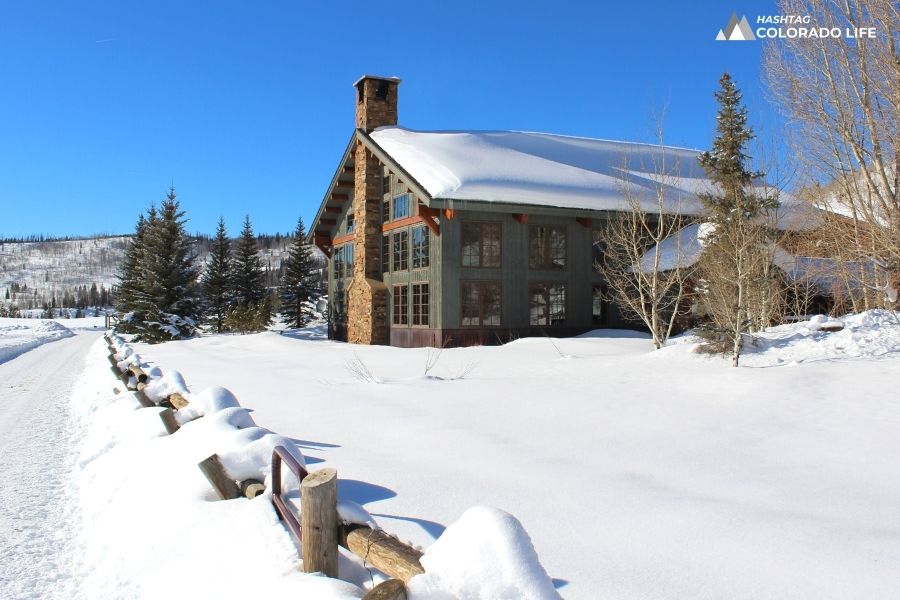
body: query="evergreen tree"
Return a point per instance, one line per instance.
(131, 273)
(251, 309)
(215, 282)
(736, 262)
(247, 274)
(299, 286)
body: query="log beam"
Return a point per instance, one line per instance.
(215, 473)
(386, 553)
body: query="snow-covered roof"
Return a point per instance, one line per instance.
(681, 249)
(543, 169)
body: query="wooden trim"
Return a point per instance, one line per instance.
(521, 218)
(390, 226)
(339, 197)
(343, 239)
(585, 222)
(328, 222)
(349, 169)
(334, 209)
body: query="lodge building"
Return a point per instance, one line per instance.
(452, 238)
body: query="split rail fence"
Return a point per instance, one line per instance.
(317, 529)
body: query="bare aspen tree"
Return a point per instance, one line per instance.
(842, 95)
(643, 276)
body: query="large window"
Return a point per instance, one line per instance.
(547, 247)
(547, 304)
(480, 304)
(420, 304)
(343, 261)
(481, 245)
(401, 206)
(419, 247)
(401, 305)
(400, 251)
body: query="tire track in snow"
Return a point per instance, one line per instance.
(38, 436)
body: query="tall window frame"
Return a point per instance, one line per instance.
(547, 304)
(481, 303)
(401, 206)
(400, 304)
(420, 247)
(548, 247)
(481, 245)
(400, 250)
(421, 304)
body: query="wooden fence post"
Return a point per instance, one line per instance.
(215, 473)
(319, 522)
(168, 419)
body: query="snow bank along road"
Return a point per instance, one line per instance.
(37, 449)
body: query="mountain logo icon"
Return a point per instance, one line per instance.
(736, 31)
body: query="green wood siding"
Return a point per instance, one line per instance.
(514, 274)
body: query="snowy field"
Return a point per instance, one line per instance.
(631, 473)
(637, 474)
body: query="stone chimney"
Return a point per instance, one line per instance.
(376, 106)
(376, 102)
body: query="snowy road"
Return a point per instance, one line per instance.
(37, 444)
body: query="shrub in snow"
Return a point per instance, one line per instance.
(485, 555)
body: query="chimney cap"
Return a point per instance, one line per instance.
(378, 77)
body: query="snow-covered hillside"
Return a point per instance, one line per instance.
(34, 272)
(637, 474)
(54, 267)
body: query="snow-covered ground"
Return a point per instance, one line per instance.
(21, 335)
(637, 474)
(634, 474)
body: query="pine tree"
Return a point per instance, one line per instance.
(298, 287)
(247, 274)
(215, 282)
(735, 266)
(251, 309)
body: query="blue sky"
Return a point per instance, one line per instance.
(246, 107)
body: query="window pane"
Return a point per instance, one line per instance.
(490, 245)
(471, 245)
(491, 305)
(420, 304)
(598, 250)
(535, 247)
(401, 305)
(471, 305)
(350, 223)
(557, 296)
(420, 247)
(558, 248)
(385, 253)
(597, 306)
(385, 211)
(537, 306)
(401, 206)
(401, 251)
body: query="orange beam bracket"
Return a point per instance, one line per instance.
(584, 222)
(521, 218)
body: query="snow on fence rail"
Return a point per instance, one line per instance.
(324, 523)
